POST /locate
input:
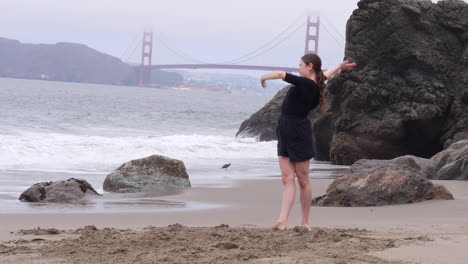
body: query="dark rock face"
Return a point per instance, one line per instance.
(323, 133)
(151, 174)
(263, 123)
(409, 92)
(385, 185)
(452, 163)
(67, 191)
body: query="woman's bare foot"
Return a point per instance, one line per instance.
(306, 226)
(279, 226)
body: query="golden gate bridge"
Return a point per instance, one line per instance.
(311, 45)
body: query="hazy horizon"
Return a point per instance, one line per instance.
(207, 30)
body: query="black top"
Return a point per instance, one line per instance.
(302, 97)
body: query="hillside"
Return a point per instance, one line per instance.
(68, 62)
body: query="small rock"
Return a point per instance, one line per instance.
(66, 191)
(151, 174)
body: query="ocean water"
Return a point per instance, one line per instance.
(54, 130)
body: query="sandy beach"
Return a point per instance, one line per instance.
(238, 231)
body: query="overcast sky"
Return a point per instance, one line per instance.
(209, 30)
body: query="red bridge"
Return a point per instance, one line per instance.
(312, 37)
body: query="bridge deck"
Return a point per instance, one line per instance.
(218, 66)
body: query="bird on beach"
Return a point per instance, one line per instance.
(225, 166)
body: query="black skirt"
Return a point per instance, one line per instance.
(295, 138)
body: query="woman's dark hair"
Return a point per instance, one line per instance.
(321, 78)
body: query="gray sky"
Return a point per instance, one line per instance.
(209, 30)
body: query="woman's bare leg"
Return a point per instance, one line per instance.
(289, 192)
(302, 172)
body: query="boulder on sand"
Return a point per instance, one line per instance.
(151, 174)
(385, 185)
(425, 166)
(452, 163)
(66, 191)
(449, 164)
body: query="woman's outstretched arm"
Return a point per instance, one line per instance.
(344, 66)
(272, 76)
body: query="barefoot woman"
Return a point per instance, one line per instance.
(295, 142)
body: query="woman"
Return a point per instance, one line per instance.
(295, 142)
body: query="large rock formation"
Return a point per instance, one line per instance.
(409, 92)
(384, 185)
(151, 174)
(66, 191)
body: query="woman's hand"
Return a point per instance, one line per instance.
(272, 76)
(263, 81)
(346, 65)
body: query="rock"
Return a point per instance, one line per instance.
(66, 191)
(441, 193)
(452, 163)
(151, 174)
(385, 185)
(409, 93)
(425, 166)
(262, 124)
(458, 137)
(323, 133)
(39, 232)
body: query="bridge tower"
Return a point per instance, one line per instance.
(312, 35)
(146, 55)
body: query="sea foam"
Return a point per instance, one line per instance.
(75, 153)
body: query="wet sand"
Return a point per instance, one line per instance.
(427, 232)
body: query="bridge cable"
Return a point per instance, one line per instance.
(240, 59)
(131, 53)
(334, 28)
(132, 44)
(181, 54)
(277, 44)
(265, 45)
(337, 41)
(232, 61)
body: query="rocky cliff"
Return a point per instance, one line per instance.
(409, 93)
